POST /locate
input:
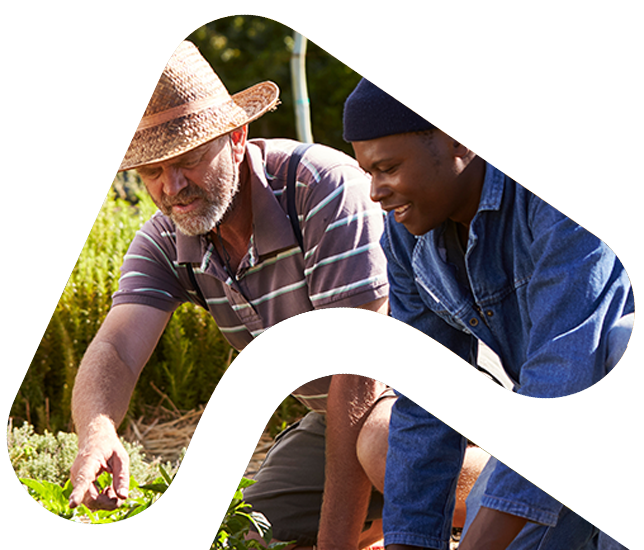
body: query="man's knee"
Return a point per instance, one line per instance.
(372, 444)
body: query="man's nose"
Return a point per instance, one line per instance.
(173, 181)
(379, 190)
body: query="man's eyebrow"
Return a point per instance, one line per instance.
(382, 160)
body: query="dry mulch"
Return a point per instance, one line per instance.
(163, 432)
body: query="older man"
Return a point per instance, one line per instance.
(223, 240)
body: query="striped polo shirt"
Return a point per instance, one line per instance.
(342, 264)
(314, 394)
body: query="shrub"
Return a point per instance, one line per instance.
(48, 457)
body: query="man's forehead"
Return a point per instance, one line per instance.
(373, 151)
(193, 153)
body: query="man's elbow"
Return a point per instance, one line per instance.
(381, 305)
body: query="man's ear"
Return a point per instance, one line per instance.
(460, 150)
(238, 139)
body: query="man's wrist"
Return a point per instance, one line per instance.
(100, 426)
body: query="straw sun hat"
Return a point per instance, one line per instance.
(191, 106)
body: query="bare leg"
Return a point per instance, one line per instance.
(372, 442)
(475, 460)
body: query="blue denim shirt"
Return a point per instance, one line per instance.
(543, 294)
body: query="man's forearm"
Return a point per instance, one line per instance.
(102, 389)
(380, 305)
(112, 364)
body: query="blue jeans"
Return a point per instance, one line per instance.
(568, 532)
(423, 464)
(420, 480)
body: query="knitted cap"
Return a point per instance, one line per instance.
(370, 113)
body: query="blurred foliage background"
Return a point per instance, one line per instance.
(245, 50)
(192, 355)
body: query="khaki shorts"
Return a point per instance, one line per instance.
(290, 483)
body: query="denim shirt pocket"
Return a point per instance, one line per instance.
(438, 306)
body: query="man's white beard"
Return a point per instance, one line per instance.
(217, 197)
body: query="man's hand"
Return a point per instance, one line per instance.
(492, 530)
(102, 451)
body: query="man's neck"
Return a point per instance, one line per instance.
(472, 182)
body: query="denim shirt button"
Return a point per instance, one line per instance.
(474, 321)
(489, 313)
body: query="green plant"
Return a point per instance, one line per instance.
(55, 498)
(237, 524)
(42, 463)
(49, 457)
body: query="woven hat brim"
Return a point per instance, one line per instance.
(180, 135)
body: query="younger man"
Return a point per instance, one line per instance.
(482, 265)
(474, 257)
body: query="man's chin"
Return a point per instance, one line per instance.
(194, 228)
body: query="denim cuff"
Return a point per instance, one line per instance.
(529, 512)
(413, 539)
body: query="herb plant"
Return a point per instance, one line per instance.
(237, 524)
(55, 498)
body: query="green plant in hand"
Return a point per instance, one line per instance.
(238, 522)
(55, 498)
(42, 463)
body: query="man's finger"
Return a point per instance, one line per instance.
(83, 483)
(120, 476)
(106, 500)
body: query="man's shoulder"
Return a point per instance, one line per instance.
(276, 153)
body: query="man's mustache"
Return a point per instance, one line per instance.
(185, 196)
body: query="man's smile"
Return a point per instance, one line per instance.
(400, 212)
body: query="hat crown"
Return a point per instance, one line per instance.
(191, 106)
(187, 77)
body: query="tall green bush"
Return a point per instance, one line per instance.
(186, 365)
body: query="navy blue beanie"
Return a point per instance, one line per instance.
(370, 113)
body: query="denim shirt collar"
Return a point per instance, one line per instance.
(430, 250)
(492, 191)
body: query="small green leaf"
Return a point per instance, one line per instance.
(246, 482)
(104, 480)
(67, 489)
(165, 475)
(154, 487)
